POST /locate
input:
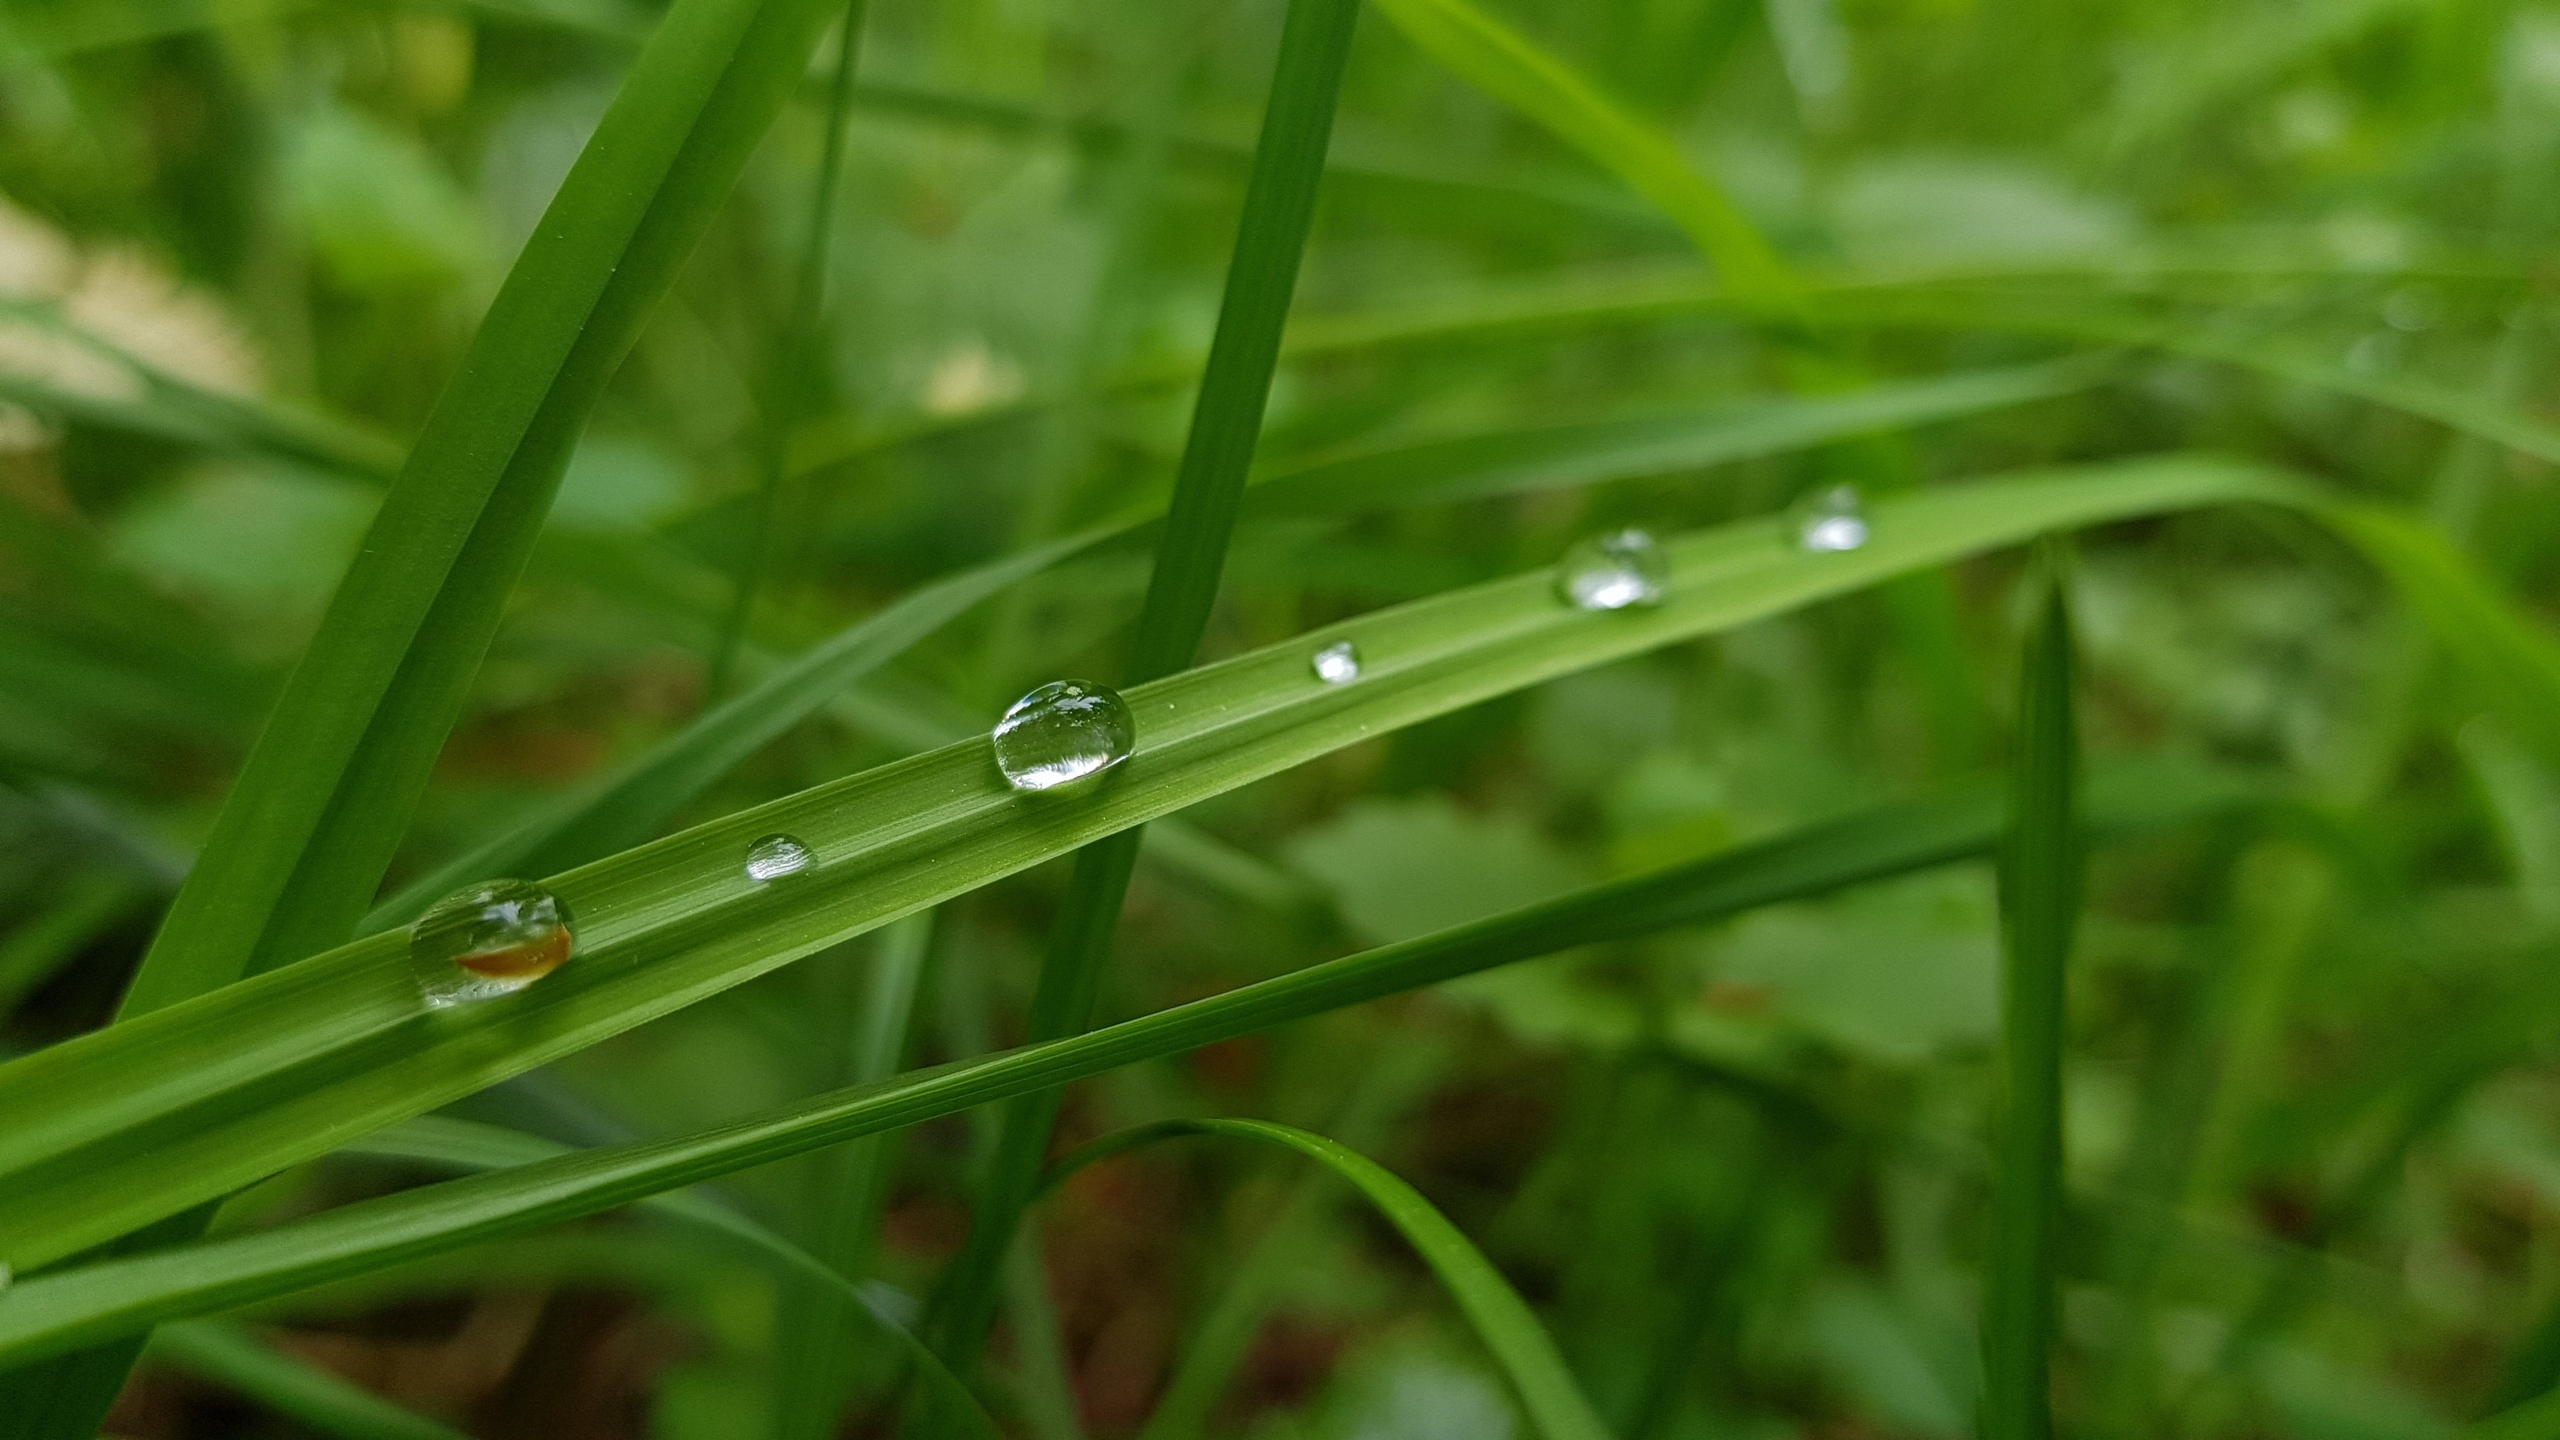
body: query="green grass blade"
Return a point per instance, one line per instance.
(796, 360)
(1217, 458)
(1519, 1345)
(316, 811)
(466, 1145)
(1503, 63)
(2040, 865)
(45, 1314)
(229, 1354)
(147, 1117)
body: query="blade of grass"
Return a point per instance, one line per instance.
(2040, 864)
(1494, 58)
(317, 809)
(1519, 1345)
(1226, 424)
(316, 812)
(44, 1314)
(466, 1145)
(796, 361)
(224, 1352)
(133, 1122)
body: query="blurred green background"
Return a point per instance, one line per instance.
(2314, 1111)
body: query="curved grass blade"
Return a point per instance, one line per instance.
(1528, 1359)
(1500, 61)
(2039, 909)
(45, 1314)
(228, 1353)
(1217, 458)
(147, 1117)
(466, 1145)
(316, 811)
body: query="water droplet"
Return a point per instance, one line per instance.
(1338, 663)
(1063, 732)
(1614, 571)
(489, 939)
(1833, 521)
(775, 856)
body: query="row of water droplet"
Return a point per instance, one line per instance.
(498, 937)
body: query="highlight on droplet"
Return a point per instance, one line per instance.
(1063, 732)
(1337, 663)
(772, 857)
(487, 940)
(1617, 571)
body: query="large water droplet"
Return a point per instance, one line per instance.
(1614, 571)
(775, 856)
(1338, 663)
(1061, 733)
(1832, 521)
(489, 939)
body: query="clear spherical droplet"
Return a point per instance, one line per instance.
(1063, 732)
(1834, 520)
(490, 939)
(775, 856)
(1614, 571)
(1338, 663)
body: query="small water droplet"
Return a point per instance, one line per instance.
(1614, 571)
(1833, 521)
(1061, 733)
(775, 856)
(1338, 663)
(490, 939)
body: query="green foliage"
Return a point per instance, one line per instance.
(577, 438)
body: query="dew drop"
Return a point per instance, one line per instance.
(1833, 521)
(1061, 733)
(776, 856)
(490, 939)
(1338, 663)
(1614, 571)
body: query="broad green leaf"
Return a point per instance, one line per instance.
(149, 1116)
(1501, 1318)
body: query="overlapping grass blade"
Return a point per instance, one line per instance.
(464, 1145)
(229, 1354)
(47, 1313)
(317, 809)
(1492, 56)
(1528, 1359)
(2040, 862)
(1217, 458)
(145, 1118)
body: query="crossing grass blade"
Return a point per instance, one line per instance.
(1519, 1344)
(229, 1354)
(464, 1145)
(1217, 459)
(2039, 909)
(1493, 57)
(149, 1117)
(45, 1314)
(318, 808)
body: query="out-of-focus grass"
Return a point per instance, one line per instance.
(1572, 268)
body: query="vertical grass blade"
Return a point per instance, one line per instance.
(2039, 908)
(1226, 423)
(1556, 1405)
